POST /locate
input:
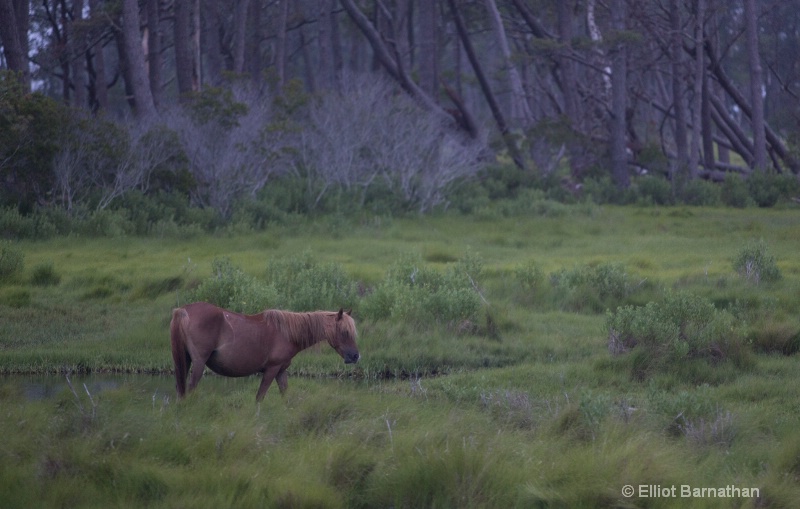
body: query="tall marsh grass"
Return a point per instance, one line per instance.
(440, 411)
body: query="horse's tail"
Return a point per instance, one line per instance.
(177, 330)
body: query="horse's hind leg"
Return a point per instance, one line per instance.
(196, 373)
(283, 380)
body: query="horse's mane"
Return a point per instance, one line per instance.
(306, 329)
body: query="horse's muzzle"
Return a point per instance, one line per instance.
(351, 357)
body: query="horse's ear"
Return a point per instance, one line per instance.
(349, 312)
(339, 316)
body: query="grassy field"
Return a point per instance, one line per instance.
(521, 405)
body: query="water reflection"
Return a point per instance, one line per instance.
(41, 387)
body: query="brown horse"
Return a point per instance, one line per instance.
(233, 344)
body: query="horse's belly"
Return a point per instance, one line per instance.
(227, 365)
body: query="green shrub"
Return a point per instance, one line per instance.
(680, 327)
(12, 260)
(755, 263)
(304, 284)
(735, 192)
(763, 188)
(594, 288)
(421, 294)
(230, 287)
(105, 223)
(654, 191)
(701, 193)
(16, 226)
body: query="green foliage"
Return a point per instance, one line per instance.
(763, 189)
(217, 105)
(230, 287)
(701, 193)
(12, 260)
(421, 295)
(654, 191)
(682, 326)
(30, 126)
(15, 225)
(735, 192)
(755, 263)
(305, 284)
(592, 288)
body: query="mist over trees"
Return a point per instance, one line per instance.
(408, 98)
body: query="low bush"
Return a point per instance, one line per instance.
(701, 193)
(230, 287)
(681, 327)
(755, 263)
(305, 284)
(420, 294)
(735, 193)
(591, 288)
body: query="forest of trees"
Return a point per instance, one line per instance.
(218, 99)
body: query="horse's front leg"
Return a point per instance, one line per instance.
(269, 375)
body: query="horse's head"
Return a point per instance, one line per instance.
(344, 338)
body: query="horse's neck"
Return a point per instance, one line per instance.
(310, 334)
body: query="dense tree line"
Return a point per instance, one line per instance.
(408, 96)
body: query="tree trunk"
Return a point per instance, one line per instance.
(280, 42)
(707, 125)
(143, 98)
(14, 36)
(239, 35)
(383, 56)
(619, 94)
(676, 63)
(154, 49)
(499, 119)
(183, 47)
(520, 111)
(699, 78)
(327, 42)
(756, 85)
(212, 50)
(77, 42)
(98, 62)
(429, 47)
(565, 64)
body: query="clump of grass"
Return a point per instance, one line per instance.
(755, 263)
(770, 336)
(12, 260)
(45, 274)
(154, 288)
(680, 328)
(509, 406)
(719, 430)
